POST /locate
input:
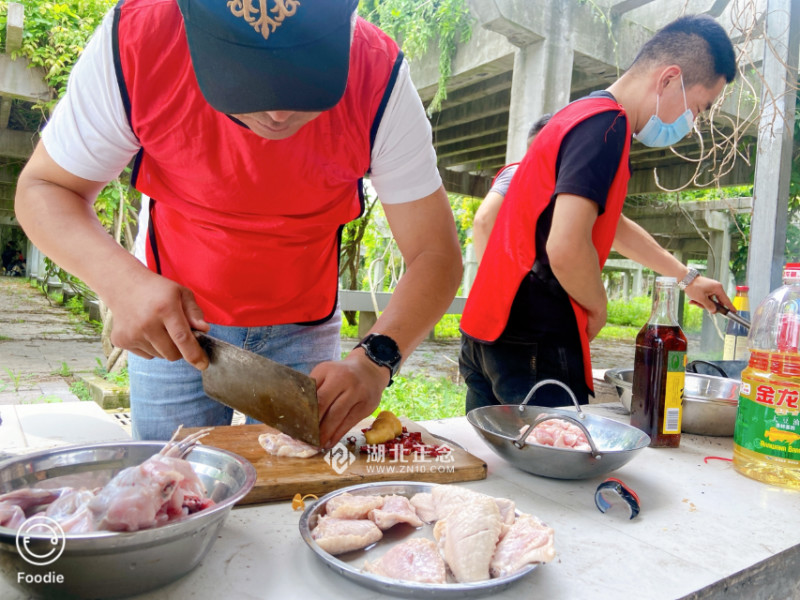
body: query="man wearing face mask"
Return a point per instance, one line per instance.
(252, 124)
(538, 297)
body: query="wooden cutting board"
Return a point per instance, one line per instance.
(280, 478)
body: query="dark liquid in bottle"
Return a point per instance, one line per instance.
(653, 345)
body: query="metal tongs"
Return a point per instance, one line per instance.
(724, 310)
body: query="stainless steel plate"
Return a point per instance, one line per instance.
(349, 565)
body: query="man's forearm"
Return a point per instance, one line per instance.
(633, 242)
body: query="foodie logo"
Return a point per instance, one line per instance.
(42, 551)
(339, 458)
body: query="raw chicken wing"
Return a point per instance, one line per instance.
(423, 504)
(395, 509)
(348, 506)
(528, 541)
(337, 536)
(468, 537)
(280, 444)
(413, 560)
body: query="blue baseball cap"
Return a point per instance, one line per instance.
(295, 55)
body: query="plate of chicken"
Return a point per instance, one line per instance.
(420, 539)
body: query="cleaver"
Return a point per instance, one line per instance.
(262, 389)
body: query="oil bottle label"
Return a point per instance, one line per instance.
(768, 420)
(673, 394)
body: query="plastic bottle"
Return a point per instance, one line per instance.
(767, 435)
(659, 370)
(735, 347)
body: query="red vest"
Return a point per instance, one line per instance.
(511, 250)
(250, 225)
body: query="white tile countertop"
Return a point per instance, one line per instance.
(704, 532)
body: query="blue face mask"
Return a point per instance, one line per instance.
(658, 134)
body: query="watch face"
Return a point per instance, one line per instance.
(384, 348)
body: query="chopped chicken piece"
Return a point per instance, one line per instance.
(423, 504)
(413, 560)
(449, 497)
(280, 444)
(395, 509)
(348, 506)
(528, 541)
(558, 433)
(468, 537)
(338, 536)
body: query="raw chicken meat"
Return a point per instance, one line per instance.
(395, 509)
(528, 541)
(162, 488)
(280, 444)
(337, 536)
(558, 433)
(11, 515)
(449, 497)
(468, 537)
(423, 504)
(348, 506)
(413, 560)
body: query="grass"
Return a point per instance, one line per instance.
(420, 397)
(81, 390)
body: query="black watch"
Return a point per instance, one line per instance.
(383, 351)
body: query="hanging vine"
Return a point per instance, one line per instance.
(418, 24)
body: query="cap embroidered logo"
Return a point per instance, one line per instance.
(258, 17)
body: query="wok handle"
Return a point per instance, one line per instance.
(545, 382)
(520, 441)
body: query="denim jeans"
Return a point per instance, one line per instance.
(167, 394)
(504, 373)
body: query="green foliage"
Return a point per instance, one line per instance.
(64, 371)
(415, 25)
(625, 319)
(420, 397)
(618, 332)
(81, 390)
(55, 34)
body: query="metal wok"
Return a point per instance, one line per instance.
(613, 444)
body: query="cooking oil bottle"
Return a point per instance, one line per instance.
(659, 371)
(767, 436)
(735, 347)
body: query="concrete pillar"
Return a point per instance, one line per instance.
(470, 270)
(774, 151)
(719, 269)
(626, 290)
(637, 282)
(541, 81)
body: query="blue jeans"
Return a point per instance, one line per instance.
(167, 394)
(504, 373)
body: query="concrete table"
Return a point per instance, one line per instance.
(704, 532)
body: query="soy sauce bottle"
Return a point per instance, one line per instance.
(735, 347)
(659, 370)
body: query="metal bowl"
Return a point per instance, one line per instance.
(110, 564)
(614, 443)
(709, 402)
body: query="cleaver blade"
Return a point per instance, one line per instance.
(262, 389)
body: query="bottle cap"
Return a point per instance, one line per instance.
(742, 288)
(791, 271)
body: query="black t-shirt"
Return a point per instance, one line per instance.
(586, 166)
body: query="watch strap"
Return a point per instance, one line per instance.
(689, 278)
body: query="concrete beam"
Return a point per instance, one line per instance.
(17, 80)
(479, 142)
(465, 183)
(470, 131)
(17, 144)
(15, 19)
(477, 157)
(8, 218)
(620, 8)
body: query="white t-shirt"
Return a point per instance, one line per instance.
(89, 134)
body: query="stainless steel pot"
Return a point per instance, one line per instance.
(107, 564)
(709, 402)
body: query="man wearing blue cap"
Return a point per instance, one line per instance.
(252, 125)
